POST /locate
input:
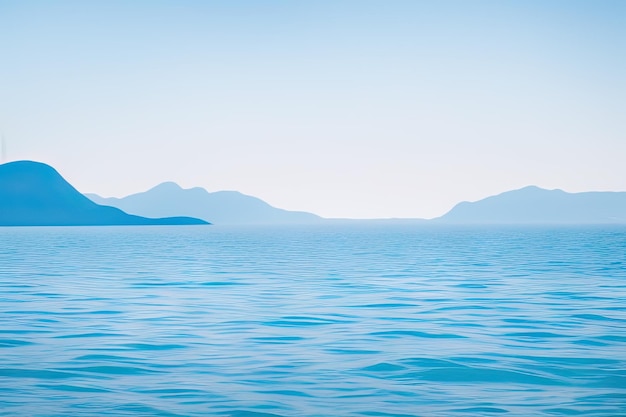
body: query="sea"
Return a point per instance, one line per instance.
(374, 320)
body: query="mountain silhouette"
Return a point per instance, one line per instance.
(35, 194)
(222, 207)
(534, 205)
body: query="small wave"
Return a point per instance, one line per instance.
(72, 388)
(112, 370)
(384, 367)
(246, 413)
(482, 375)
(414, 333)
(4, 343)
(36, 373)
(153, 346)
(480, 410)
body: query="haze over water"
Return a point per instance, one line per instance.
(347, 109)
(316, 321)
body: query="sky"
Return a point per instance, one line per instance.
(359, 109)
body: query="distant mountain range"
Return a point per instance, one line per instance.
(534, 205)
(529, 205)
(35, 194)
(222, 207)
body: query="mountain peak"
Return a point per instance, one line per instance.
(531, 188)
(535, 188)
(25, 167)
(167, 186)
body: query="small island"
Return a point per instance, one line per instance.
(35, 194)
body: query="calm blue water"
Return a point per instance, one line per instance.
(326, 321)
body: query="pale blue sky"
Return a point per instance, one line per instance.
(342, 108)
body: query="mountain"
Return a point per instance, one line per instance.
(222, 207)
(534, 205)
(35, 194)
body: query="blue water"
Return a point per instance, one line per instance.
(325, 321)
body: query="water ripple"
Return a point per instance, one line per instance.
(341, 320)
